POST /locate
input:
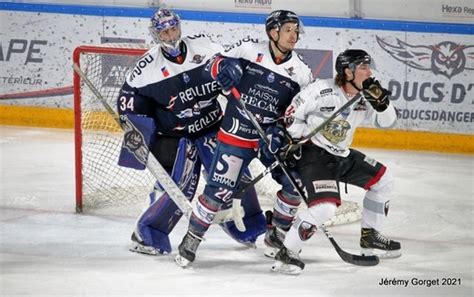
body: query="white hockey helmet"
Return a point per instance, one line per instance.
(161, 20)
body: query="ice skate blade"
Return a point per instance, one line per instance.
(270, 252)
(182, 262)
(382, 254)
(145, 250)
(286, 268)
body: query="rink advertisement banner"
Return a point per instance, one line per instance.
(429, 74)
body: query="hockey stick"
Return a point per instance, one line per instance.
(348, 257)
(156, 169)
(297, 145)
(345, 256)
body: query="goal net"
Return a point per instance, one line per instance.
(102, 185)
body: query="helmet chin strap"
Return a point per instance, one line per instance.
(352, 82)
(354, 85)
(275, 42)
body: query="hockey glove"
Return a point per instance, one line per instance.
(292, 156)
(375, 94)
(278, 143)
(229, 74)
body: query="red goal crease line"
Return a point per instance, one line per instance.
(39, 94)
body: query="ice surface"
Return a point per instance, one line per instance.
(48, 250)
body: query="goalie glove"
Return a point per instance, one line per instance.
(375, 94)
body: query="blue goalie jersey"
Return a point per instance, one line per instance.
(181, 100)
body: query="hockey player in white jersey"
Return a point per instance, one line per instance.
(267, 75)
(327, 158)
(167, 90)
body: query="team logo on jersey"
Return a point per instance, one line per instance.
(186, 78)
(198, 59)
(271, 77)
(165, 71)
(336, 131)
(290, 71)
(259, 57)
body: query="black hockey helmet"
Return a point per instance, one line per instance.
(279, 17)
(350, 58)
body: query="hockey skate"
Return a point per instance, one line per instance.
(371, 240)
(187, 250)
(287, 262)
(138, 246)
(274, 237)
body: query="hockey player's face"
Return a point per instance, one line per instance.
(171, 35)
(362, 72)
(288, 36)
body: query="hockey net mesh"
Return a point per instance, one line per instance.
(107, 186)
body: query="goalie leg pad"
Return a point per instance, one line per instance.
(254, 220)
(255, 226)
(161, 216)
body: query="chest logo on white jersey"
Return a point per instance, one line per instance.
(336, 131)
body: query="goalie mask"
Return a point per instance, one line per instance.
(351, 58)
(277, 18)
(162, 20)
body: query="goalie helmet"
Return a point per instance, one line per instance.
(351, 58)
(161, 20)
(279, 17)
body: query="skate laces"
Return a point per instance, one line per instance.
(382, 238)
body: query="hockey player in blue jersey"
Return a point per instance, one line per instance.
(167, 94)
(267, 75)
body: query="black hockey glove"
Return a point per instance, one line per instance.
(377, 96)
(292, 156)
(229, 74)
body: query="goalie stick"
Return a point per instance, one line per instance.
(157, 170)
(345, 256)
